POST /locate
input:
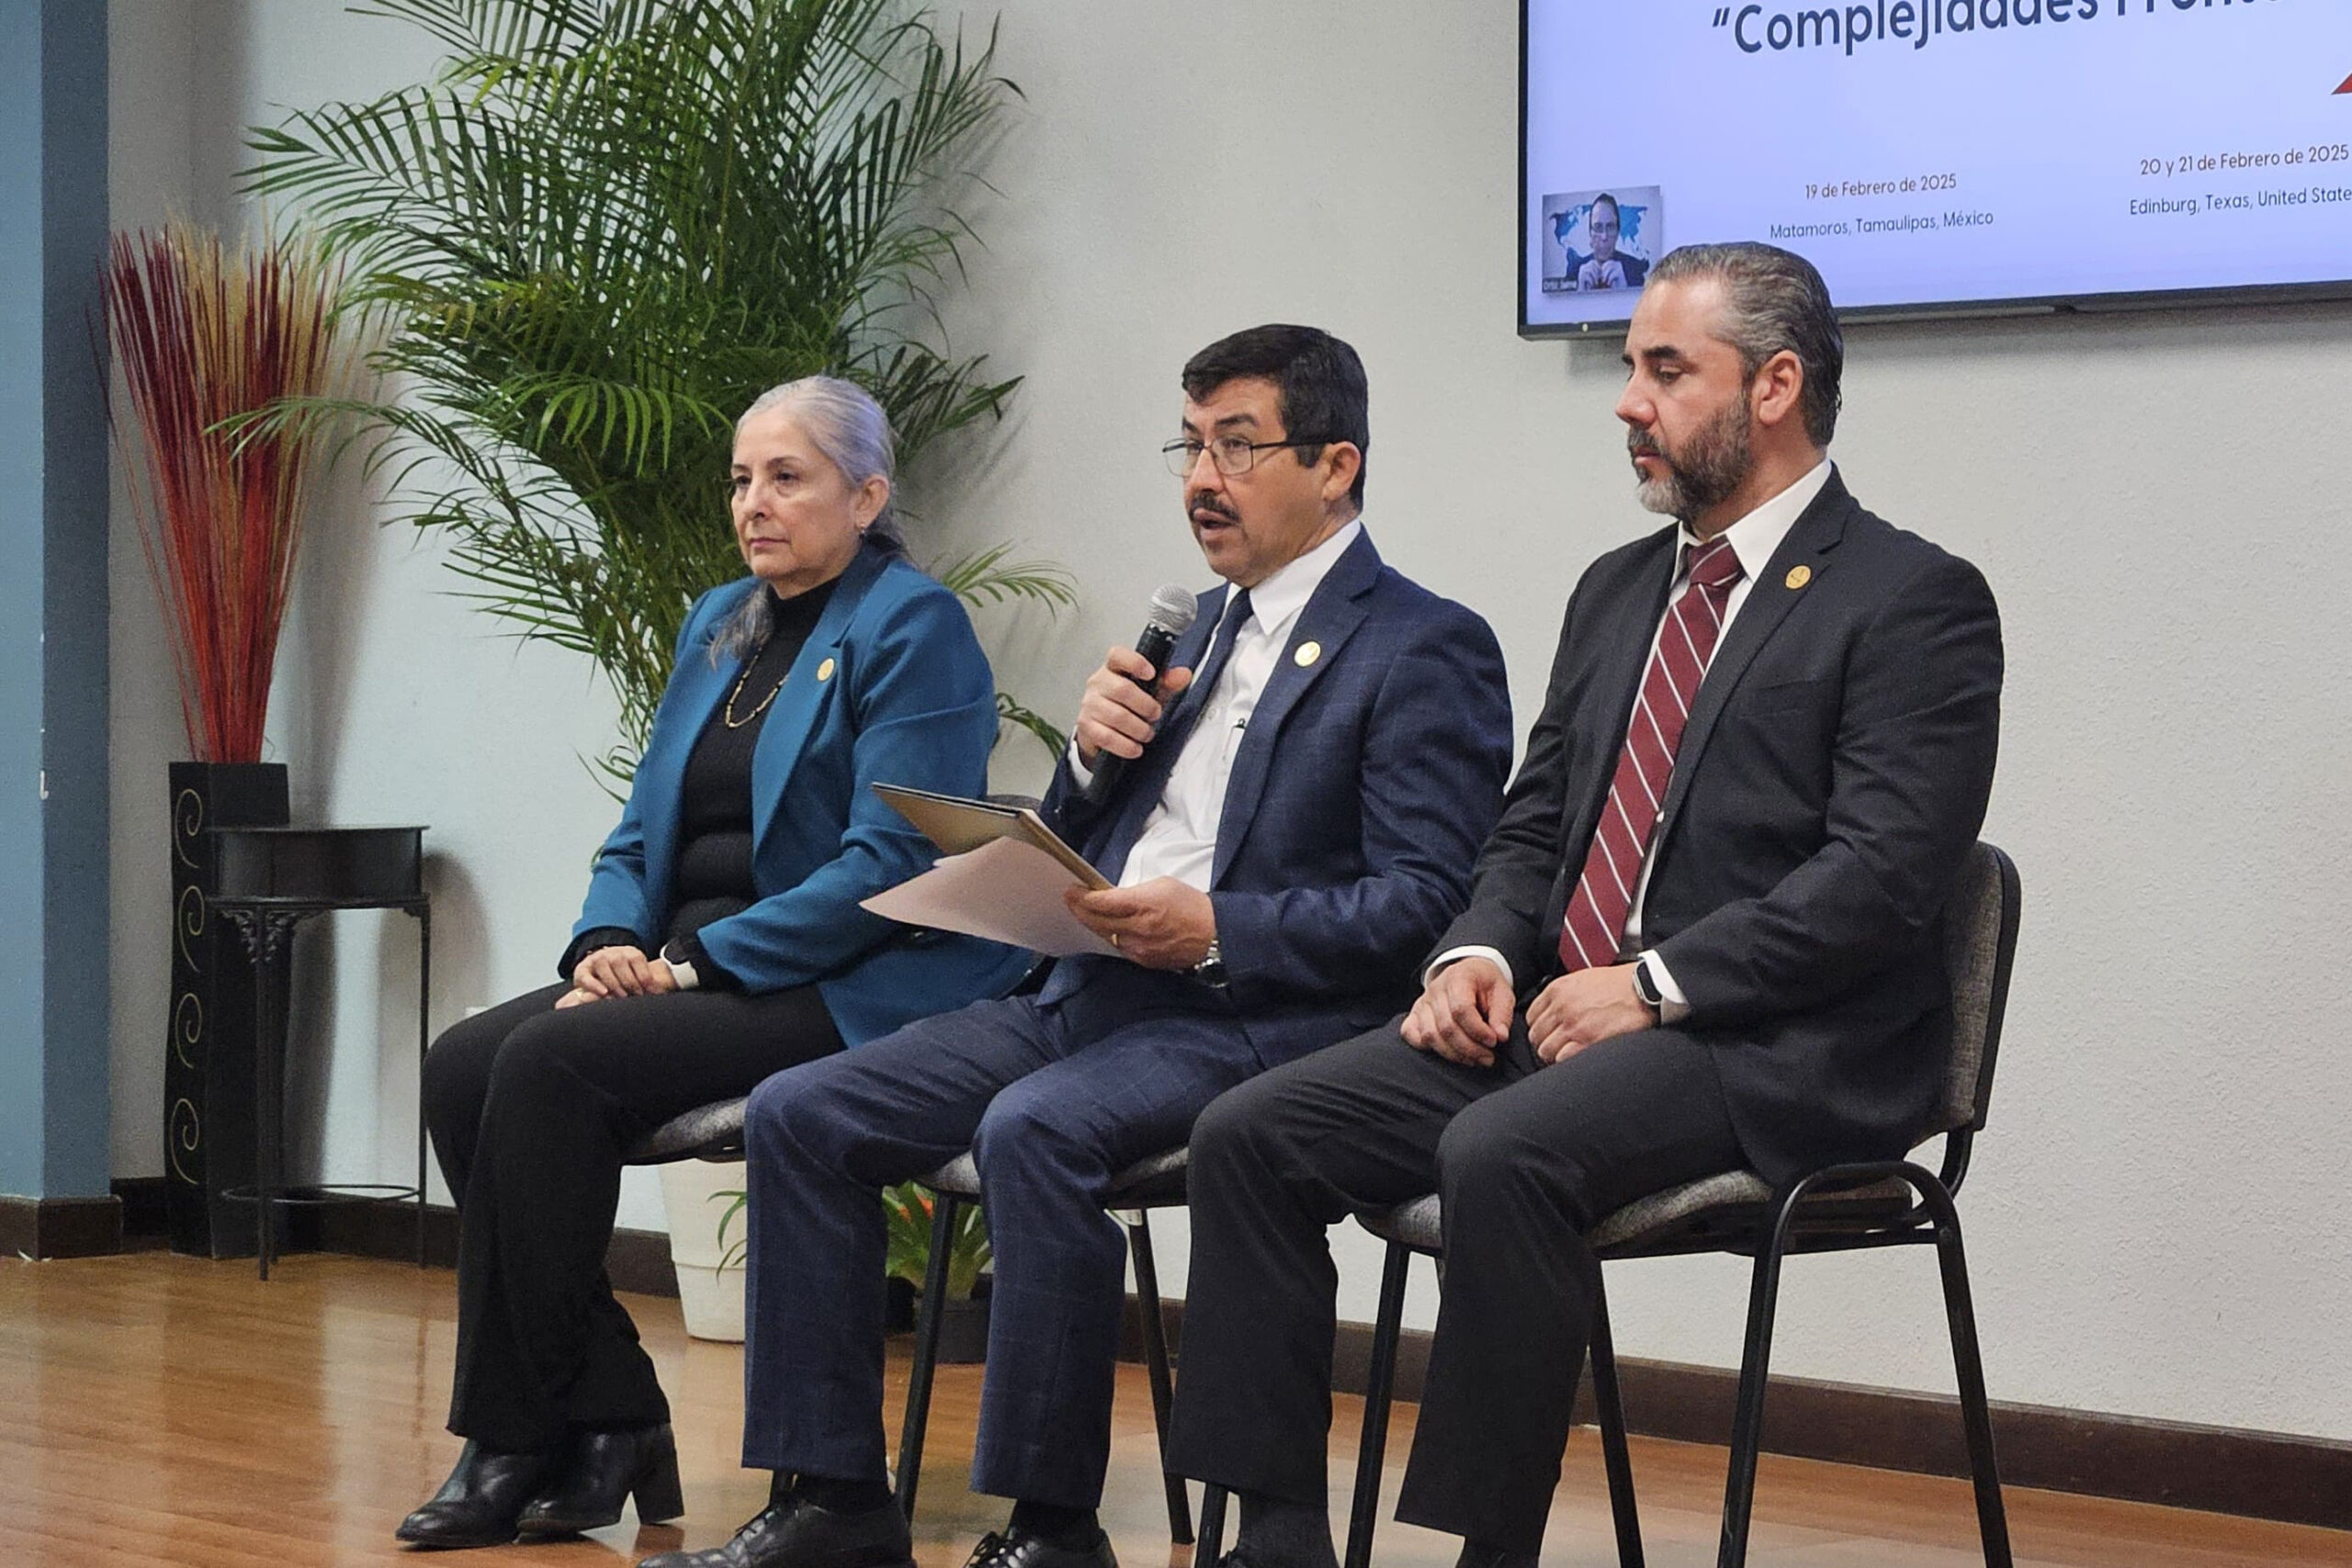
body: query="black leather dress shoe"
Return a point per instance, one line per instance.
(1026, 1549)
(602, 1469)
(796, 1533)
(479, 1503)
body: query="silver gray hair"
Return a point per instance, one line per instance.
(1774, 299)
(844, 422)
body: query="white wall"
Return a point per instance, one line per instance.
(2149, 493)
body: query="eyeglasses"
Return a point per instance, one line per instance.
(1233, 455)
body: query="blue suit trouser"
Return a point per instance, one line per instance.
(1054, 1099)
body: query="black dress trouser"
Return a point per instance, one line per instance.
(1526, 1157)
(531, 1110)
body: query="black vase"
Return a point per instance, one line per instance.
(899, 1297)
(964, 1331)
(208, 1061)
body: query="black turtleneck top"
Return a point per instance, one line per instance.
(712, 877)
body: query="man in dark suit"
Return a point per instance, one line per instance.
(1287, 838)
(1704, 937)
(1608, 267)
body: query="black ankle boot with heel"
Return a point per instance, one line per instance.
(480, 1503)
(601, 1470)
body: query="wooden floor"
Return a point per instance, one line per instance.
(156, 1409)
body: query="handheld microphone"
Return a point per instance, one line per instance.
(1173, 609)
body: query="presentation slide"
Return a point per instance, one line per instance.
(1936, 154)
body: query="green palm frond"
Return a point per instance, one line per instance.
(1048, 735)
(596, 235)
(986, 576)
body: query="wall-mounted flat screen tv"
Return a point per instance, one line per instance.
(1935, 156)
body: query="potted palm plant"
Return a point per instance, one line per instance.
(600, 231)
(593, 237)
(964, 1313)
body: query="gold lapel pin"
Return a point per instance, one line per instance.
(1799, 575)
(825, 670)
(1308, 652)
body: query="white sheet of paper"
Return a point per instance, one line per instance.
(1006, 891)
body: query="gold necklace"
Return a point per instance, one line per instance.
(728, 714)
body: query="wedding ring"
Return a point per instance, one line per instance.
(1114, 939)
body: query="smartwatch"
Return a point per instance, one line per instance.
(1646, 987)
(680, 971)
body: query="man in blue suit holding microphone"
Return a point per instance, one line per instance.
(1298, 801)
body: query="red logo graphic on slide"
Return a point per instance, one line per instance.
(2347, 85)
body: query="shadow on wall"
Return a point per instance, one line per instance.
(352, 1049)
(461, 969)
(319, 659)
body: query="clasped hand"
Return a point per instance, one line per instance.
(1119, 710)
(616, 972)
(1464, 1012)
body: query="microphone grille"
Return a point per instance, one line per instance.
(1174, 607)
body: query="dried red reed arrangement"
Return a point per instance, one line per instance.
(204, 336)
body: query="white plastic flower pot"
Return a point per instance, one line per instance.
(710, 1295)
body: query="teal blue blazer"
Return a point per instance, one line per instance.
(891, 688)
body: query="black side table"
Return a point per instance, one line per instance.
(271, 880)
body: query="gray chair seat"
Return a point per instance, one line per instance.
(1735, 1196)
(1154, 1183)
(707, 1132)
(959, 1178)
(716, 1131)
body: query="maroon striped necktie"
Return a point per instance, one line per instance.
(1595, 925)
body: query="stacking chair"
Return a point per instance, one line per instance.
(1840, 1209)
(716, 1131)
(1154, 1183)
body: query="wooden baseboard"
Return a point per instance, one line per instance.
(60, 1227)
(2222, 1469)
(2267, 1475)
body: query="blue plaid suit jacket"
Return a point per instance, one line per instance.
(1360, 795)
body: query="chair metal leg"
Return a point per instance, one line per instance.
(1968, 1363)
(1754, 1367)
(1379, 1387)
(1155, 1358)
(269, 1092)
(1615, 1454)
(928, 1320)
(1212, 1542)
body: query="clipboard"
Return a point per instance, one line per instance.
(959, 826)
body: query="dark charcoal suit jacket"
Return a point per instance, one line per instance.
(1368, 777)
(1832, 777)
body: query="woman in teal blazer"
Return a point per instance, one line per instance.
(720, 942)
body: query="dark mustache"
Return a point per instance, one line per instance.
(1640, 445)
(1202, 501)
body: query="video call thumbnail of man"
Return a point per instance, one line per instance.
(1601, 240)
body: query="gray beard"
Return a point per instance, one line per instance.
(1712, 465)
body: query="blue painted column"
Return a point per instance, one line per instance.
(54, 1120)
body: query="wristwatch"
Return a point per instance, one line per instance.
(1646, 987)
(1210, 970)
(680, 971)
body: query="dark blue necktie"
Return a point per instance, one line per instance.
(1144, 792)
(1144, 786)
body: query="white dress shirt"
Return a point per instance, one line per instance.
(1753, 539)
(1179, 837)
